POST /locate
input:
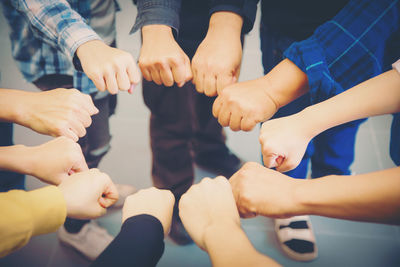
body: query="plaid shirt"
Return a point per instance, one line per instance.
(360, 42)
(45, 35)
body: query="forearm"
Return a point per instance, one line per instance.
(228, 245)
(376, 96)
(17, 158)
(11, 105)
(373, 197)
(285, 83)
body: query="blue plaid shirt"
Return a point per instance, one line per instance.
(360, 42)
(45, 35)
(357, 44)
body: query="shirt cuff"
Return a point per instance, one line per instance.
(74, 35)
(309, 57)
(246, 11)
(48, 208)
(164, 13)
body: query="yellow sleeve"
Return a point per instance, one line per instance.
(26, 214)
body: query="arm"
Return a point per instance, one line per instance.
(210, 216)
(285, 140)
(45, 161)
(62, 27)
(243, 105)
(26, 214)
(217, 60)
(373, 197)
(58, 112)
(146, 218)
(42, 211)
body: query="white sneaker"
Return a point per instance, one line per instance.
(90, 241)
(124, 190)
(296, 238)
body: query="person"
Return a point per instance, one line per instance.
(55, 47)
(209, 214)
(41, 211)
(260, 191)
(304, 64)
(146, 219)
(182, 129)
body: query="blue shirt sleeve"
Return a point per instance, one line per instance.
(139, 243)
(348, 49)
(164, 12)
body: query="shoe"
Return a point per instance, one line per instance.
(221, 162)
(90, 241)
(296, 238)
(124, 190)
(178, 232)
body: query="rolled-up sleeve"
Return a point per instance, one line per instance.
(164, 12)
(348, 49)
(247, 9)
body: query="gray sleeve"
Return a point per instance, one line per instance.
(165, 12)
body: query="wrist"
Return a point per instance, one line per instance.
(87, 47)
(224, 21)
(156, 31)
(214, 230)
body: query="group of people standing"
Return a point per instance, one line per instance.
(313, 52)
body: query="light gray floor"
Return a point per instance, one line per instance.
(340, 243)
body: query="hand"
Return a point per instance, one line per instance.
(216, 63)
(88, 194)
(58, 112)
(109, 68)
(284, 142)
(152, 201)
(161, 59)
(206, 204)
(261, 191)
(242, 105)
(54, 161)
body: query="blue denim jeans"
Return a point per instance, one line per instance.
(331, 152)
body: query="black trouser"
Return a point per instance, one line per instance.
(182, 126)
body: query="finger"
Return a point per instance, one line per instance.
(111, 82)
(123, 80)
(235, 121)
(224, 116)
(70, 134)
(84, 117)
(132, 88)
(222, 82)
(287, 165)
(199, 79)
(166, 76)
(146, 74)
(155, 76)
(247, 124)
(210, 85)
(133, 73)
(80, 165)
(216, 107)
(270, 160)
(179, 73)
(99, 82)
(88, 105)
(110, 195)
(77, 127)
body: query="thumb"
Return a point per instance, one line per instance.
(270, 160)
(80, 166)
(287, 165)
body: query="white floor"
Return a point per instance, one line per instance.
(340, 243)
